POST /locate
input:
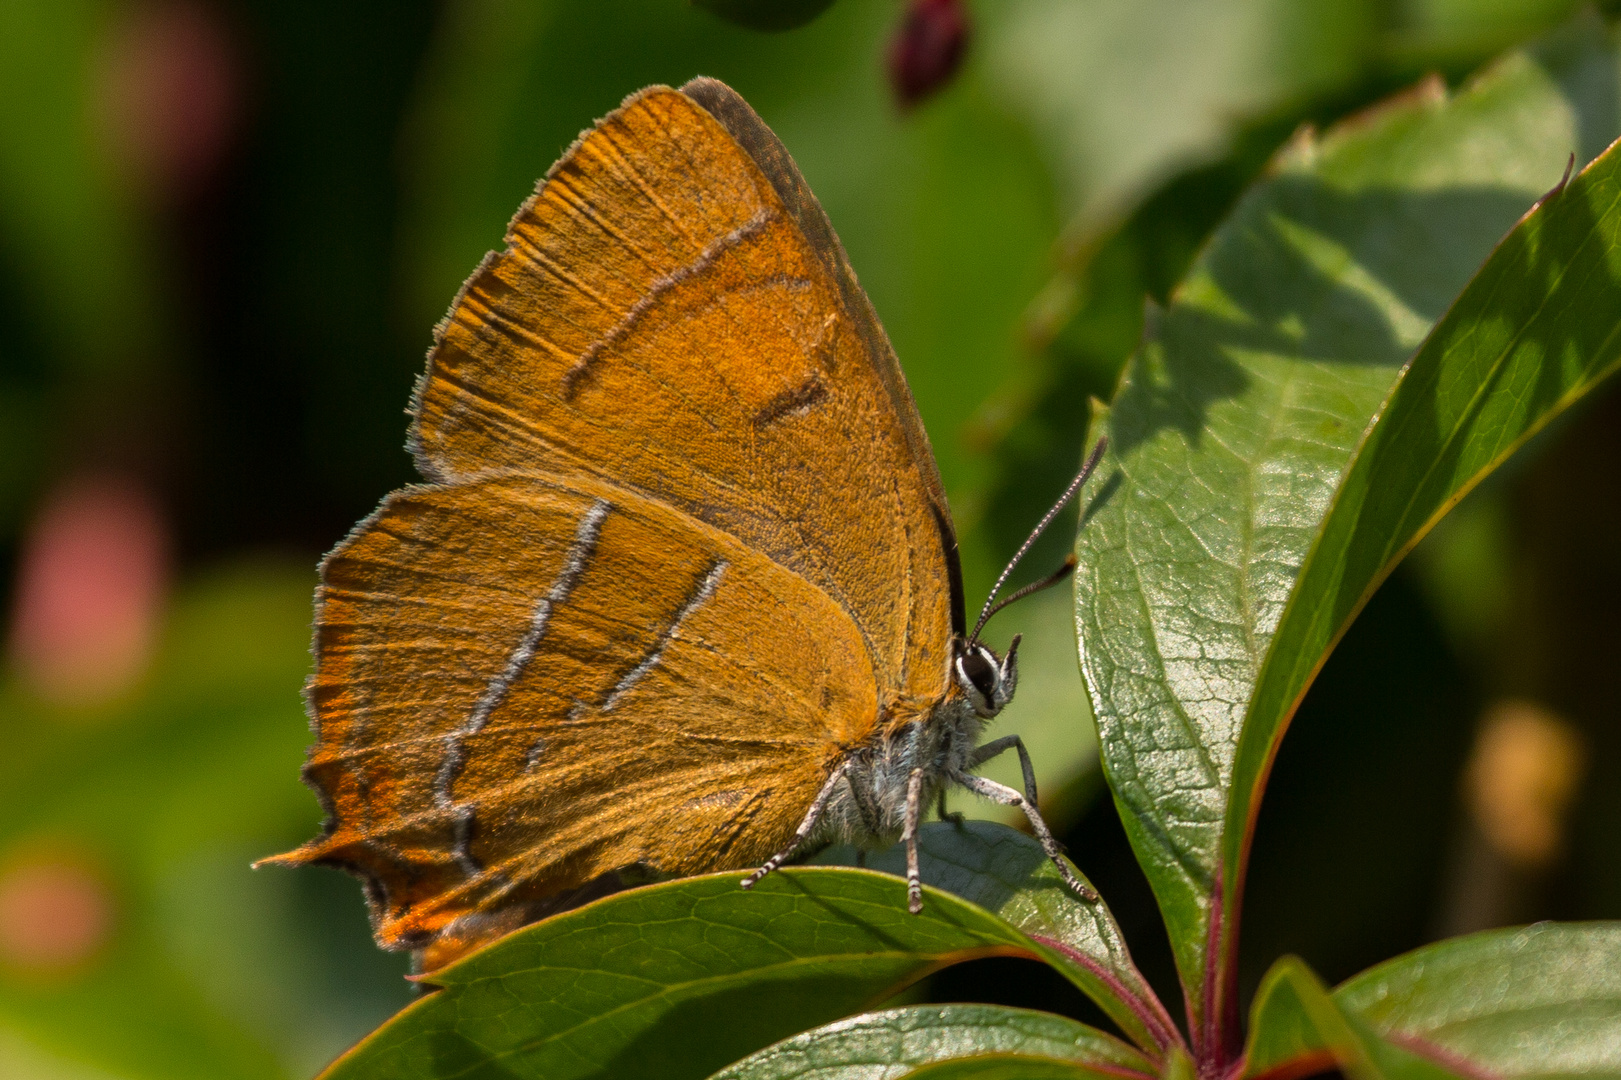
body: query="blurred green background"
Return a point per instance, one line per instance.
(226, 229)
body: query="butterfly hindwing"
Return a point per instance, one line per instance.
(514, 699)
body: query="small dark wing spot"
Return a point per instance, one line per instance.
(793, 402)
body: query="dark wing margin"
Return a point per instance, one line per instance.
(773, 159)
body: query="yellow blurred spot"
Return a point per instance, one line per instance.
(53, 915)
(1521, 779)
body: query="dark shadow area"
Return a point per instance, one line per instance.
(1351, 842)
(298, 369)
(1019, 984)
(1562, 645)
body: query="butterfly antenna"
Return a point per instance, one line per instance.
(1034, 587)
(991, 606)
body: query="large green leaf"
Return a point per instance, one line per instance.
(1005, 1067)
(1540, 1001)
(677, 980)
(1121, 92)
(590, 991)
(885, 1044)
(1235, 426)
(1007, 873)
(1120, 103)
(1298, 1029)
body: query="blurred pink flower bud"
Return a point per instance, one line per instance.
(90, 590)
(54, 914)
(166, 90)
(927, 50)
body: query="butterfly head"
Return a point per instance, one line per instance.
(985, 678)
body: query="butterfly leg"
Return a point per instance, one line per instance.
(940, 810)
(914, 810)
(1005, 795)
(995, 747)
(813, 817)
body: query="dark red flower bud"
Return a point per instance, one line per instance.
(927, 50)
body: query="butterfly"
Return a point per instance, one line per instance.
(682, 591)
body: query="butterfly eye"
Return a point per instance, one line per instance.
(977, 669)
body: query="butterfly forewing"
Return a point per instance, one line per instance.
(661, 319)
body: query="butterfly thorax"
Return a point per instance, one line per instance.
(869, 809)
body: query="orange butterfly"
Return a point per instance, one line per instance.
(683, 593)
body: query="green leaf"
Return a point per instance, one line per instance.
(1298, 1029)
(1007, 873)
(766, 14)
(1004, 1067)
(1178, 1066)
(1123, 91)
(677, 979)
(1238, 421)
(1285, 1033)
(879, 1044)
(1540, 1001)
(1154, 136)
